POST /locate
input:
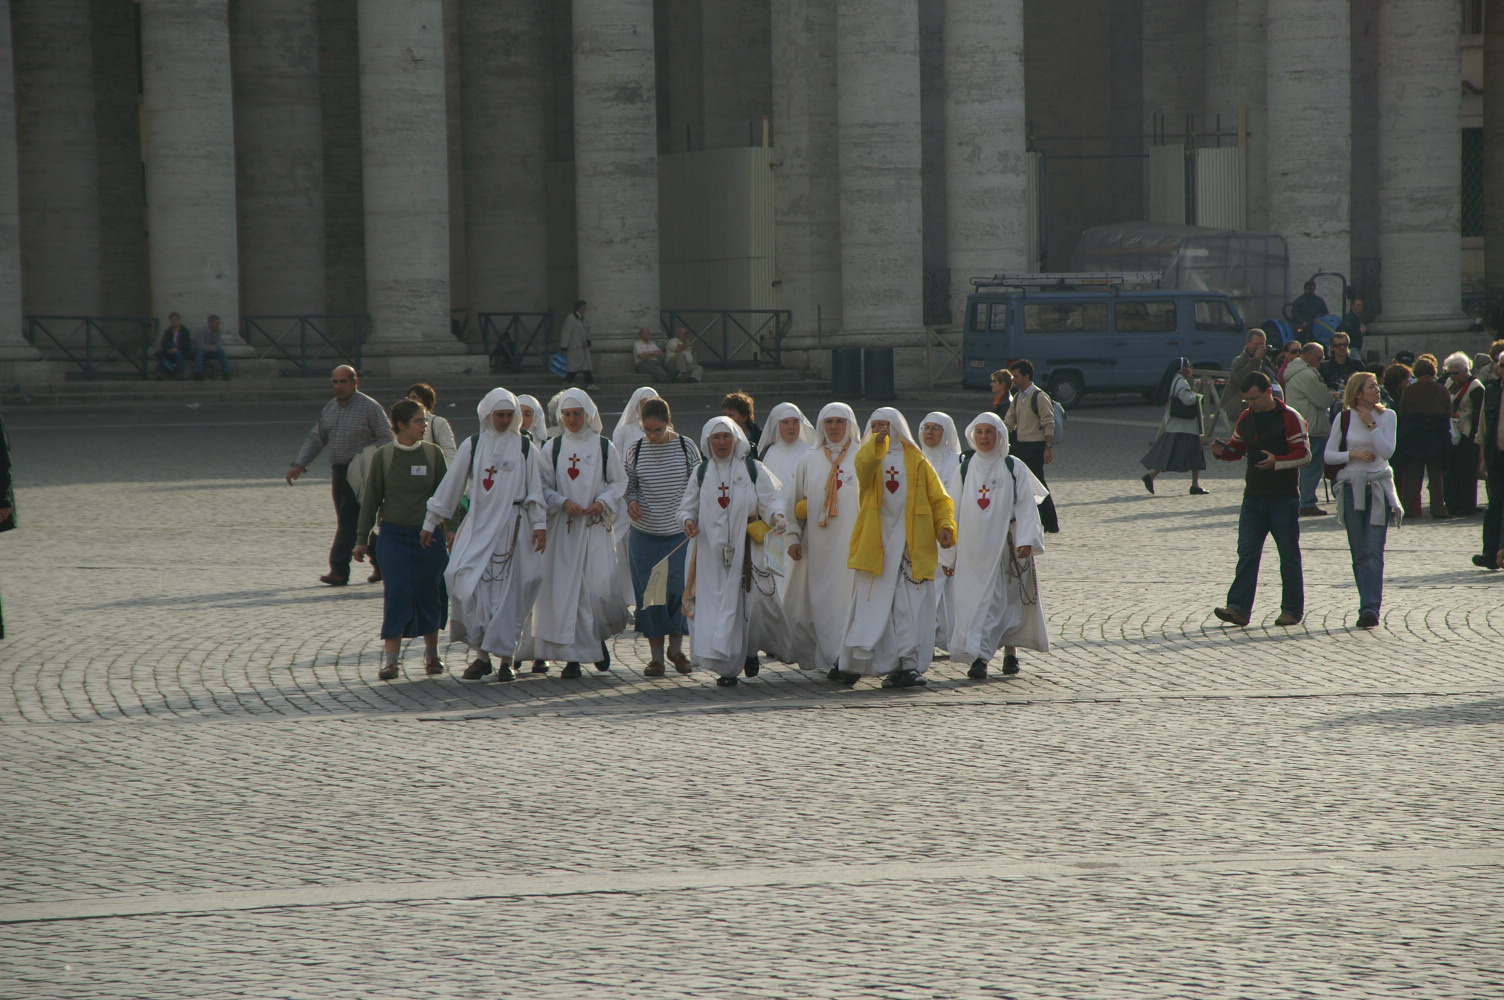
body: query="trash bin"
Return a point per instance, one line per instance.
(877, 372)
(846, 372)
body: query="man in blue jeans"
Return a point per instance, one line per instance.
(1272, 436)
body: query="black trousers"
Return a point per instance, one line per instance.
(1461, 482)
(1031, 453)
(1491, 527)
(347, 515)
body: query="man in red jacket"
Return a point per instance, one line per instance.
(1273, 438)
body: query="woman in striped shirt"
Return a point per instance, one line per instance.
(658, 470)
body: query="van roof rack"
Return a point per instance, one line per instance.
(1071, 279)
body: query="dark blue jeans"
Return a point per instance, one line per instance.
(1259, 518)
(1366, 540)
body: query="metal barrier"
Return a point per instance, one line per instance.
(514, 341)
(312, 342)
(733, 338)
(101, 346)
(943, 361)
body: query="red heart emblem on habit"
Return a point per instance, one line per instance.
(573, 473)
(723, 501)
(892, 485)
(984, 503)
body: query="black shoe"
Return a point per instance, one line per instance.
(904, 679)
(1484, 562)
(978, 671)
(1148, 482)
(835, 674)
(540, 667)
(751, 666)
(1010, 664)
(1197, 491)
(725, 682)
(604, 663)
(570, 672)
(504, 671)
(1368, 619)
(476, 670)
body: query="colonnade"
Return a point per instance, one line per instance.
(244, 157)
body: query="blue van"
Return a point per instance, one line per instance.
(1086, 333)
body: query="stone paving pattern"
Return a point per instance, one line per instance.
(184, 710)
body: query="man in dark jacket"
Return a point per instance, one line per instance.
(1491, 467)
(1306, 308)
(1272, 436)
(177, 345)
(1342, 365)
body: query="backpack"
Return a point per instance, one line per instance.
(558, 443)
(966, 457)
(1328, 470)
(1059, 416)
(751, 470)
(474, 439)
(683, 448)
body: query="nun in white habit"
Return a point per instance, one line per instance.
(824, 498)
(942, 446)
(786, 438)
(728, 490)
(627, 433)
(905, 518)
(496, 563)
(534, 418)
(997, 583)
(580, 606)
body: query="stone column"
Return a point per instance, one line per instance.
(807, 195)
(13, 345)
(1420, 151)
(1310, 150)
(877, 94)
(190, 162)
(505, 100)
(615, 163)
(344, 194)
(1237, 57)
(404, 155)
(279, 151)
(1493, 145)
(986, 168)
(58, 157)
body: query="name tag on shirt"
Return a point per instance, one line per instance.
(420, 470)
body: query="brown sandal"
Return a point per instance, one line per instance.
(655, 669)
(681, 663)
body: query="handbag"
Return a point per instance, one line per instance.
(1328, 470)
(559, 364)
(1182, 410)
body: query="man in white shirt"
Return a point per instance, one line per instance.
(647, 357)
(1031, 428)
(681, 358)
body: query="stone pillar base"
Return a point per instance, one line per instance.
(425, 367)
(32, 373)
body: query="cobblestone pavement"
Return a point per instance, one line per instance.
(208, 795)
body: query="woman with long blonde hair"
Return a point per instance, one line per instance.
(1361, 443)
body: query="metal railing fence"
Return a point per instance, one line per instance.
(312, 342)
(99, 346)
(733, 338)
(517, 340)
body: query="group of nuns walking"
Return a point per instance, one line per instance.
(855, 553)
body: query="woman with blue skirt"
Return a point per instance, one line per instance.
(658, 469)
(403, 475)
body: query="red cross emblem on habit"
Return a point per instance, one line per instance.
(892, 482)
(982, 500)
(725, 498)
(490, 479)
(573, 472)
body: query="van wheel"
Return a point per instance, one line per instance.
(1067, 389)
